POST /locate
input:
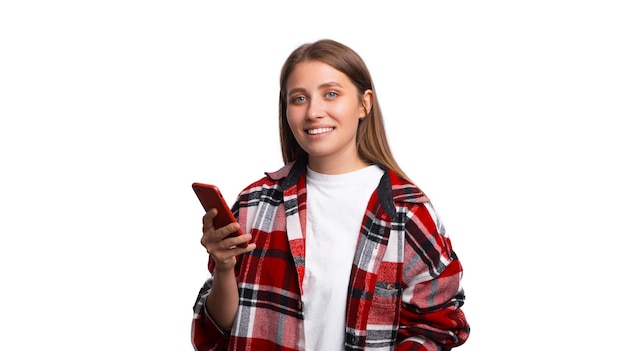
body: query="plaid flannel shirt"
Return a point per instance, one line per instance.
(404, 291)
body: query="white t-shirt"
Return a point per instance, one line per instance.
(335, 208)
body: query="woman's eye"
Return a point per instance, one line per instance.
(332, 94)
(298, 99)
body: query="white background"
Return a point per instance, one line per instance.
(508, 114)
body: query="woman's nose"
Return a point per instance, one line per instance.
(316, 108)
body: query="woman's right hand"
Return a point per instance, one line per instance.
(223, 249)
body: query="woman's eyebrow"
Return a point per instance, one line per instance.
(296, 90)
(330, 84)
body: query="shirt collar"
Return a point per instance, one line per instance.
(291, 173)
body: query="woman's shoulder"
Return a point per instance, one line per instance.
(271, 179)
(405, 190)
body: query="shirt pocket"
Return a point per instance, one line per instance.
(385, 304)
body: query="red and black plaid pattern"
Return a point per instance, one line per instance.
(404, 292)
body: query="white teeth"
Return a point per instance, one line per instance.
(319, 131)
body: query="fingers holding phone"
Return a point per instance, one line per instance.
(220, 242)
(221, 234)
(226, 236)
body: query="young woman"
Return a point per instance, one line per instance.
(345, 252)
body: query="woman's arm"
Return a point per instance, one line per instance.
(431, 314)
(217, 302)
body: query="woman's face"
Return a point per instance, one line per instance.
(323, 111)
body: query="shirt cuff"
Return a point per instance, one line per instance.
(222, 333)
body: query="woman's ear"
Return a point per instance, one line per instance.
(366, 103)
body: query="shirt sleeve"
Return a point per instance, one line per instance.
(431, 317)
(205, 334)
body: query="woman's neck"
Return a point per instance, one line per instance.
(328, 165)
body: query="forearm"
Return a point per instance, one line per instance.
(222, 302)
(431, 313)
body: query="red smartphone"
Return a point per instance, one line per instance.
(211, 197)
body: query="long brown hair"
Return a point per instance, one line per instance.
(371, 138)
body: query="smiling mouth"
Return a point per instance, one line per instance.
(319, 131)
